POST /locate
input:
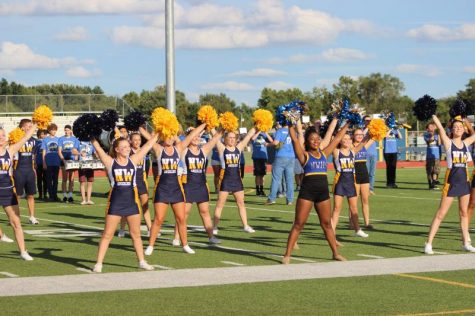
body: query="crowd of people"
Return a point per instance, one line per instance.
(299, 156)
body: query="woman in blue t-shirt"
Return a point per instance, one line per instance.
(259, 158)
(51, 162)
(390, 156)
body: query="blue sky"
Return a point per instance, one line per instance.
(239, 47)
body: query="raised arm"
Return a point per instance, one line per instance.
(469, 140)
(219, 143)
(243, 143)
(443, 135)
(103, 156)
(299, 152)
(156, 147)
(208, 147)
(184, 143)
(13, 149)
(366, 142)
(336, 140)
(328, 136)
(139, 155)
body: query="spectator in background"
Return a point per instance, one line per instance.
(216, 165)
(371, 157)
(40, 172)
(283, 165)
(390, 156)
(51, 162)
(86, 176)
(259, 159)
(433, 155)
(68, 148)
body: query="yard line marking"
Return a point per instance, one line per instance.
(84, 270)
(161, 267)
(8, 274)
(461, 311)
(233, 263)
(59, 206)
(418, 277)
(369, 256)
(441, 252)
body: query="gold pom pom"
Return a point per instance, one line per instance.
(15, 135)
(263, 119)
(42, 116)
(228, 121)
(165, 123)
(207, 114)
(377, 129)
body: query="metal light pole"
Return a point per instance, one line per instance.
(170, 54)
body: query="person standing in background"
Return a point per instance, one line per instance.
(433, 155)
(390, 156)
(68, 148)
(371, 157)
(51, 162)
(259, 159)
(40, 172)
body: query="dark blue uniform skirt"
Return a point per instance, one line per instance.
(344, 184)
(196, 192)
(142, 187)
(168, 193)
(8, 197)
(123, 202)
(231, 183)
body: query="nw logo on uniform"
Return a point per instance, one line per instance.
(123, 175)
(196, 163)
(27, 148)
(169, 164)
(459, 156)
(346, 163)
(232, 159)
(5, 163)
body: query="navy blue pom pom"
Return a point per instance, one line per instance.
(109, 119)
(87, 127)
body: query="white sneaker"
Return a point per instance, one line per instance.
(176, 242)
(213, 240)
(121, 233)
(148, 233)
(90, 202)
(249, 229)
(468, 247)
(33, 221)
(5, 238)
(428, 249)
(25, 256)
(148, 251)
(97, 268)
(144, 265)
(361, 233)
(187, 249)
(83, 202)
(215, 230)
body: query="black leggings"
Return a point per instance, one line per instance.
(391, 162)
(52, 173)
(41, 180)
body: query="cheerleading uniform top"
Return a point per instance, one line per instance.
(456, 176)
(196, 188)
(141, 177)
(7, 192)
(168, 188)
(25, 156)
(344, 182)
(230, 177)
(315, 183)
(123, 197)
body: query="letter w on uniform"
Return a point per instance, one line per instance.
(123, 175)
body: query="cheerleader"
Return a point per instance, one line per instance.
(196, 188)
(456, 182)
(230, 179)
(168, 187)
(361, 173)
(344, 183)
(123, 196)
(314, 189)
(8, 197)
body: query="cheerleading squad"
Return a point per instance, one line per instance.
(180, 175)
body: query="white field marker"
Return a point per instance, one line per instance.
(233, 263)
(369, 256)
(161, 267)
(8, 274)
(84, 270)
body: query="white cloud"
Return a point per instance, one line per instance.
(279, 85)
(469, 69)
(334, 55)
(228, 86)
(75, 34)
(83, 7)
(81, 72)
(258, 72)
(438, 33)
(423, 70)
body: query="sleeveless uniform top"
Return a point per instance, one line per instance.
(25, 156)
(230, 177)
(168, 188)
(196, 187)
(361, 170)
(6, 181)
(123, 197)
(141, 177)
(361, 155)
(315, 183)
(315, 166)
(456, 177)
(344, 182)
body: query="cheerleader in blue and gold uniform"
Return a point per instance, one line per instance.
(314, 190)
(456, 182)
(196, 188)
(230, 178)
(123, 197)
(169, 189)
(8, 197)
(344, 184)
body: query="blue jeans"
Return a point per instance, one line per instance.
(282, 167)
(371, 161)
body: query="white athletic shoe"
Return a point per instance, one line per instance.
(428, 249)
(5, 238)
(214, 241)
(215, 230)
(361, 233)
(83, 202)
(144, 265)
(187, 249)
(176, 242)
(249, 229)
(90, 203)
(97, 268)
(468, 247)
(25, 256)
(33, 221)
(148, 233)
(121, 233)
(148, 251)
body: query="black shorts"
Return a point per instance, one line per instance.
(361, 173)
(314, 188)
(259, 167)
(8, 197)
(25, 182)
(86, 175)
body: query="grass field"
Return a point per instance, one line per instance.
(67, 239)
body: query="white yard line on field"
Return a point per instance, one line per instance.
(8, 274)
(84, 270)
(162, 267)
(233, 263)
(369, 256)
